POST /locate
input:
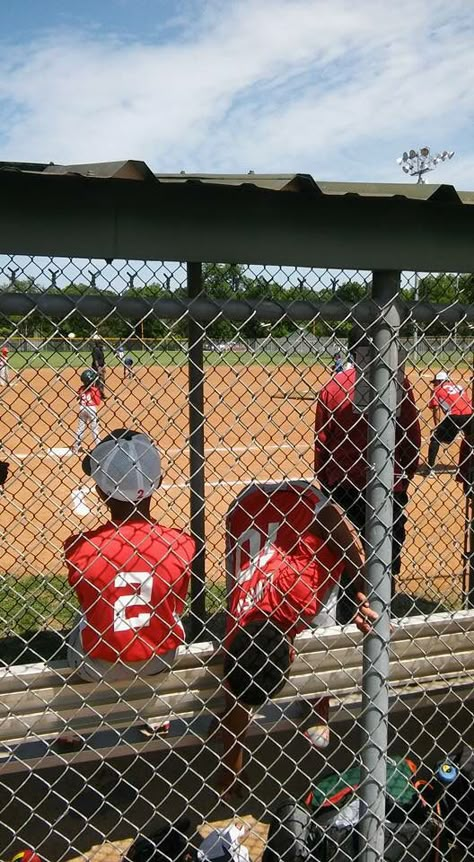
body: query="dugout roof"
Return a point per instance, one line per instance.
(87, 210)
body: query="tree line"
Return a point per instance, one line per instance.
(228, 281)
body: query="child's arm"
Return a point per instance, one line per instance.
(332, 526)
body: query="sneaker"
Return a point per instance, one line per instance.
(315, 713)
(150, 729)
(318, 735)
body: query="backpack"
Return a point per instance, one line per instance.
(324, 827)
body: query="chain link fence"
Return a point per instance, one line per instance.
(271, 393)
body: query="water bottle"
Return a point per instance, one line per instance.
(446, 772)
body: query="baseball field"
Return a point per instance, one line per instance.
(251, 432)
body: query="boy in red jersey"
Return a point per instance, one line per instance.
(286, 549)
(90, 398)
(450, 402)
(131, 575)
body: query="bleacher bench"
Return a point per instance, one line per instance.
(429, 658)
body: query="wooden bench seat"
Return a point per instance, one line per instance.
(429, 657)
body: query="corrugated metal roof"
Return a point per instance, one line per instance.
(275, 182)
(130, 169)
(305, 182)
(139, 170)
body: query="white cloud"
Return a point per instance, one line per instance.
(337, 89)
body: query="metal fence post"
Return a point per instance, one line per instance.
(196, 452)
(381, 446)
(469, 520)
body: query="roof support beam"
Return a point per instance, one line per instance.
(70, 216)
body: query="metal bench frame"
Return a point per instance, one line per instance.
(431, 660)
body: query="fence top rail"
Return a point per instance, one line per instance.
(206, 309)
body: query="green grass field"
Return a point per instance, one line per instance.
(145, 359)
(34, 602)
(166, 358)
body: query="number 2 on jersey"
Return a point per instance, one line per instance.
(122, 622)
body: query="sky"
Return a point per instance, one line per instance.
(334, 88)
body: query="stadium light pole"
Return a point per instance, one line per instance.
(417, 163)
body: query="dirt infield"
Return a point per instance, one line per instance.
(250, 433)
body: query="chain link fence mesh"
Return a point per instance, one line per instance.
(283, 416)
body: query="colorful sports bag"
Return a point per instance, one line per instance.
(423, 818)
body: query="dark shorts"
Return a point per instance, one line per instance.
(451, 426)
(354, 504)
(128, 362)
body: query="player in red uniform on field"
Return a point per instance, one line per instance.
(450, 402)
(90, 398)
(4, 365)
(340, 450)
(286, 549)
(131, 575)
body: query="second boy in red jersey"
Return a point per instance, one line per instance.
(286, 549)
(131, 575)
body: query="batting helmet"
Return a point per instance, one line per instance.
(88, 377)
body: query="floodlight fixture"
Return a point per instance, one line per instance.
(417, 163)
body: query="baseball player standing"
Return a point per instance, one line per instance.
(98, 363)
(341, 456)
(4, 366)
(452, 412)
(90, 397)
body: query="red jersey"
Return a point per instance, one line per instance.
(451, 399)
(276, 567)
(341, 430)
(90, 396)
(131, 582)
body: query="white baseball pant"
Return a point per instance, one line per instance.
(87, 419)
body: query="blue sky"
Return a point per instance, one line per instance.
(142, 19)
(334, 88)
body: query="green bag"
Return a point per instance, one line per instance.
(334, 791)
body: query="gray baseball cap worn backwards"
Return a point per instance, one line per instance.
(126, 466)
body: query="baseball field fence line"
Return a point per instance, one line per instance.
(305, 350)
